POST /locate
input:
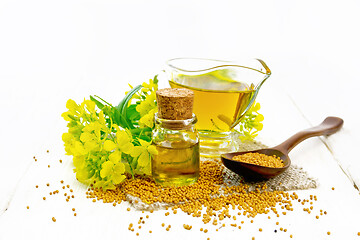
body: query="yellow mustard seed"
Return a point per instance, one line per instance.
(44, 198)
(54, 219)
(260, 159)
(328, 233)
(27, 207)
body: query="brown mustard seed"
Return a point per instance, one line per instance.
(37, 186)
(75, 214)
(48, 166)
(328, 233)
(27, 207)
(60, 161)
(44, 198)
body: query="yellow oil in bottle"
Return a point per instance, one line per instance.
(177, 163)
(219, 100)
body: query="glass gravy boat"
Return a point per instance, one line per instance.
(224, 92)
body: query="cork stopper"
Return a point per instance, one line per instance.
(175, 103)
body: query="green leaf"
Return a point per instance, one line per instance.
(123, 106)
(98, 104)
(132, 114)
(156, 79)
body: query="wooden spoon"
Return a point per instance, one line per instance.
(255, 172)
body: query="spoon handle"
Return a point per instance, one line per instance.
(329, 126)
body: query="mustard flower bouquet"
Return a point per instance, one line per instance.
(111, 143)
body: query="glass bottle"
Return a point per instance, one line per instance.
(178, 159)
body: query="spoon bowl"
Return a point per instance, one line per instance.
(253, 172)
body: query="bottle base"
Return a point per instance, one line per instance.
(175, 181)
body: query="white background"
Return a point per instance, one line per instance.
(51, 51)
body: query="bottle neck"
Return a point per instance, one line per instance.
(184, 124)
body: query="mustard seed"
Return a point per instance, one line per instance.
(328, 233)
(260, 159)
(54, 219)
(27, 207)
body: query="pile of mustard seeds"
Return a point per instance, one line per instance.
(260, 159)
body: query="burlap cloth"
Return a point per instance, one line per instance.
(294, 178)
